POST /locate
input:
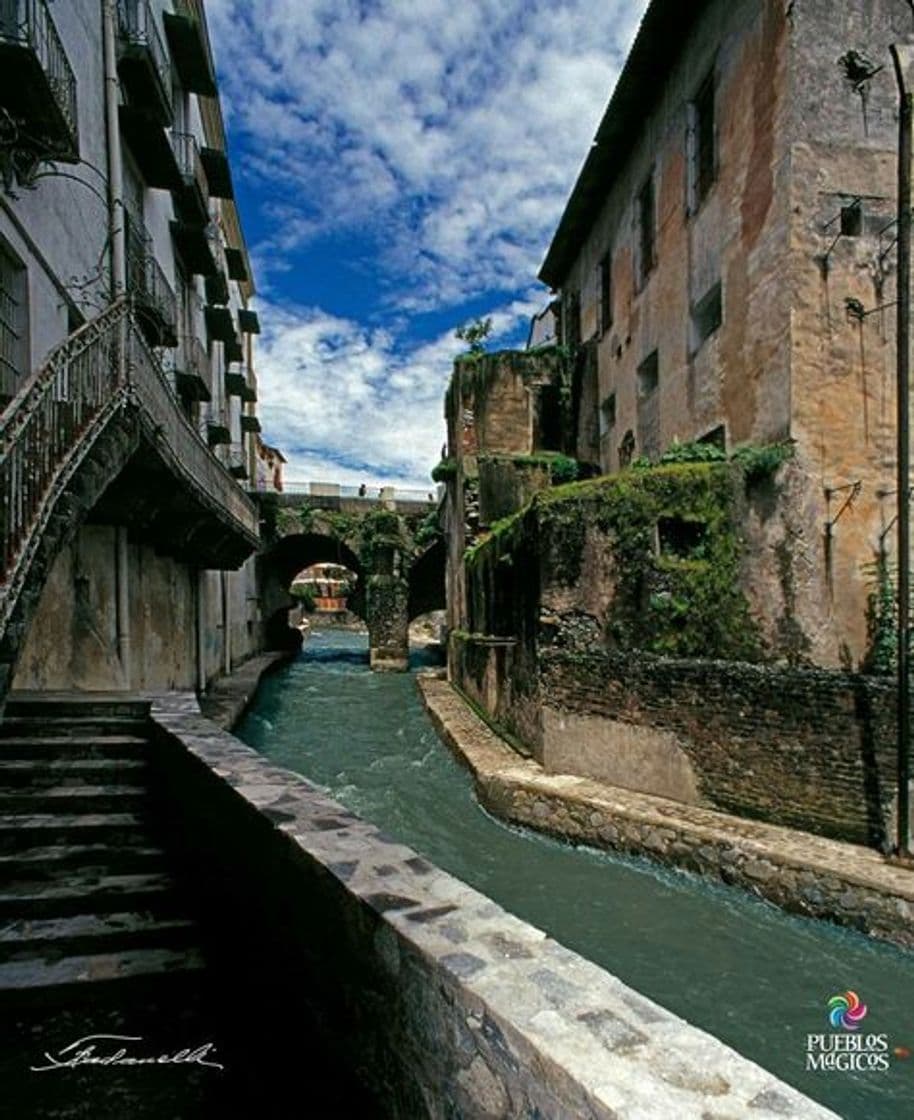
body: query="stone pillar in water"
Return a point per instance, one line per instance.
(387, 614)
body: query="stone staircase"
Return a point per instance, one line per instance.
(86, 894)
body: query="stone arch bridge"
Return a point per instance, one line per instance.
(392, 544)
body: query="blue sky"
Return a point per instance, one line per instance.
(400, 167)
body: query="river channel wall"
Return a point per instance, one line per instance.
(805, 748)
(429, 994)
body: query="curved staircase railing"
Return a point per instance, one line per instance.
(52, 423)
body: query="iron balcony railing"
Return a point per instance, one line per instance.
(187, 153)
(48, 429)
(155, 299)
(138, 29)
(28, 23)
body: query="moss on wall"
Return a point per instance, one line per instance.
(683, 599)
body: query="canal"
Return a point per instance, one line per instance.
(754, 977)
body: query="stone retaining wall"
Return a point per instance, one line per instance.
(437, 1000)
(804, 874)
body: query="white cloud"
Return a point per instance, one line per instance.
(450, 131)
(442, 138)
(346, 405)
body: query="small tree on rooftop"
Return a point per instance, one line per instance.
(474, 334)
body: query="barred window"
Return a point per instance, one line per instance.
(13, 323)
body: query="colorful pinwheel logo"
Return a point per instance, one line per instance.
(846, 1010)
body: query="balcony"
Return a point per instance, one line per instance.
(235, 382)
(37, 86)
(190, 49)
(249, 393)
(153, 298)
(194, 245)
(218, 172)
(217, 434)
(192, 195)
(192, 370)
(151, 148)
(219, 325)
(143, 64)
(237, 269)
(237, 461)
(217, 289)
(250, 424)
(248, 322)
(234, 351)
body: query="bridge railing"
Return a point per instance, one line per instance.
(52, 423)
(369, 494)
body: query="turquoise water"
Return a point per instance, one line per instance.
(737, 967)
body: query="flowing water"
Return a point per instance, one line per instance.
(737, 967)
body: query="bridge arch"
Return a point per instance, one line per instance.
(426, 581)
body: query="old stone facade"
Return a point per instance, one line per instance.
(726, 247)
(126, 352)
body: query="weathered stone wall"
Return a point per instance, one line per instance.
(811, 749)
(439, 1002)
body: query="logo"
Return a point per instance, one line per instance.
(847, 1011)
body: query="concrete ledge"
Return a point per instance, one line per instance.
(802, 873)
(443, 1004)
(227, 699)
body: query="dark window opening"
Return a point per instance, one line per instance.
(606, 292)
(680, 538)
(571, 321)
(717, 437)
(646, 228)
(707, 316)
(548, 436)
(13, 324)
(608, 414)
(626, 449)
(705, 167)
(852, 219)
(649, 374)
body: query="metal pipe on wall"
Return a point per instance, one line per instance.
(116, 229)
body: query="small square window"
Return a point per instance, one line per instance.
(707, 316)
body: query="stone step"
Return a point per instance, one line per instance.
(50, 858)
(93, 726)
(78, 976)
(19, 831)
(60, 747)
(86, 892)
(51, 938)
(35, 773)
(72, 799)
(65, 705)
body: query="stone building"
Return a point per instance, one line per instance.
(126, 353)
(728, 249)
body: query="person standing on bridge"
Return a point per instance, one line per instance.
(363, 490)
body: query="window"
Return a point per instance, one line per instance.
(13, 323)
(608, 414)
(571, 321)
(707, 316)
(626, 449)
(703, 143)
(648, 374)
(606, 292)
(681, 538)
(646, 229)
(852, 219)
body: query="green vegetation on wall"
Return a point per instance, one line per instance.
(684, 600)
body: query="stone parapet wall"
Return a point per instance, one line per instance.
(438, 1001)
